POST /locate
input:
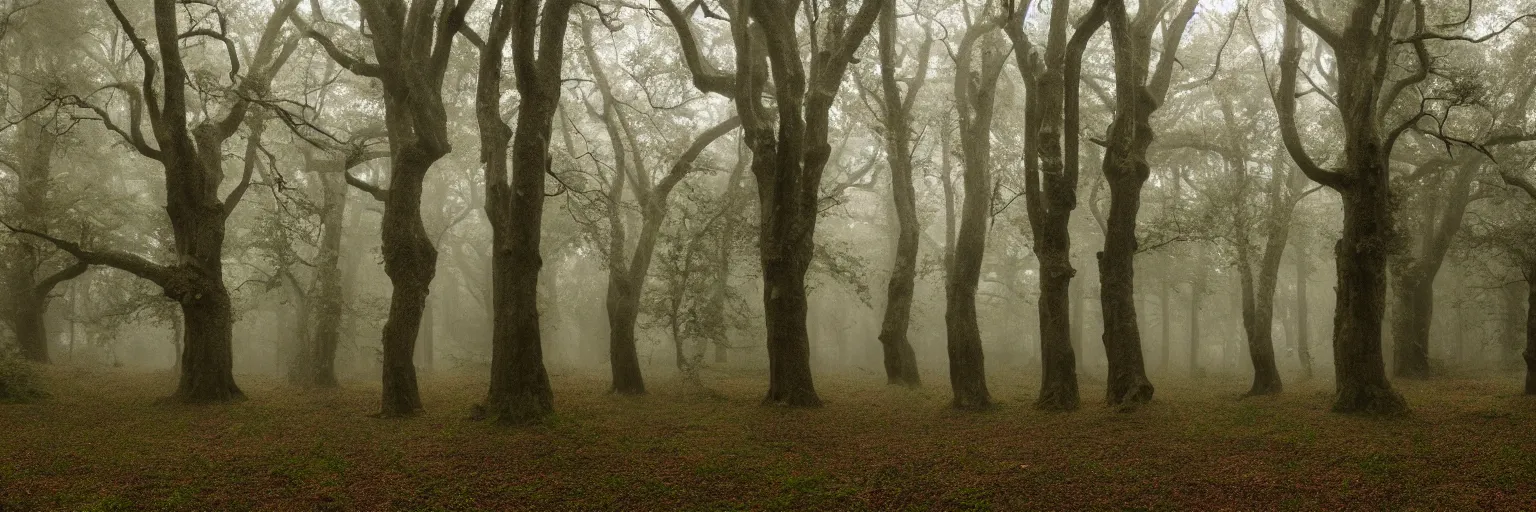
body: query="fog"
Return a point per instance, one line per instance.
(973, 198)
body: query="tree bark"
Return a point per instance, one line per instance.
(519, 389)
(315, 365)
(1359, 368)
(1126, 170)
(1051, 175)
(900, 360)
(1413, 275)
(975, 92)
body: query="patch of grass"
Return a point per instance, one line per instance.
(102, 442)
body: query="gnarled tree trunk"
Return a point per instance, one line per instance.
(1137, 95)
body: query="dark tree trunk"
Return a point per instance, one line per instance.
(1137, 95)
(519, 389)
(975, 90)
(1413, 307)
(790, 152)
(1359, 369)
(900, 359)
(1051, 173)
(1530, 337)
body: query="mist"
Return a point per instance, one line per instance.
(700, 236)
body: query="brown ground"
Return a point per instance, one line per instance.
(106, 442)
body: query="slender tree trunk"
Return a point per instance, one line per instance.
(1303, 326)
(900, 359)
(1164, 297)
(974, 95)
(410, 261)
(1196, 295)
(316, 363)
(1530, 337)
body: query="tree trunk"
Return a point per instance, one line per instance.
(519, 389)
(900, 359)
(316, 363)
(1413, 307)
(1359, 367)
(1530, 337)
(1125, 166)
(1196, 294)
(974, 91)
(1051, 171)
(207, 357)
(1364, 185)
(1303, 326)
(410, 261)
(1164, 298)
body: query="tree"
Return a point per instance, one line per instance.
(1530, 274)
(1137, 95)
(411, 49)
(789, 148)
(1438, 192)
(519, 391)
(900, 360)
(975, 87)
(193, 160)
(1367, 92)
(30, 274)
(1050, 175)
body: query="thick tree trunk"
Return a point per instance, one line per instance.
(789, 348)
(207, 358)
(1360, 372)
(410, 261)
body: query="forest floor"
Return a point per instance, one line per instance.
(106, 441)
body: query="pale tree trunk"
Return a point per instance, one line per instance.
(1303, 326)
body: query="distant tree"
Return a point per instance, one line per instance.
(789, 147)
(411, 49)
